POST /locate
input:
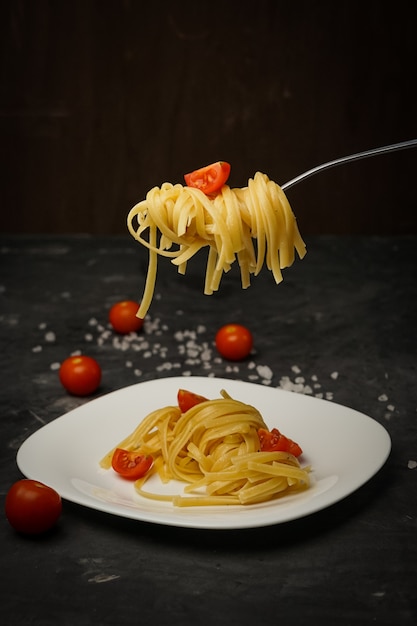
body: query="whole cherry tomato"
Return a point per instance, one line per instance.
(209, 178)
(234, 342)
(122, 317)
(131, 464)
(32, 507)
(80, 375)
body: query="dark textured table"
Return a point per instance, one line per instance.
(341, 326)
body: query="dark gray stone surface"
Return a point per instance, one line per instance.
(341, 326)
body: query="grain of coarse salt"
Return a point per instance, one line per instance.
(264, 372)
(412, 464)
(50, 336)
(206, 353)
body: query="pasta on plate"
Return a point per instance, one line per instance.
(214, 448)
(254, 225)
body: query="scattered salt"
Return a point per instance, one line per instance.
(412, 464)
(264, 372)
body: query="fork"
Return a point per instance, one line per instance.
(353, 157)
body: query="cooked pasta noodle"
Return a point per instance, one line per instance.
(213, 448)
(254, 224)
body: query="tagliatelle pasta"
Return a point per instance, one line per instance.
(254, 225)
(214, 449)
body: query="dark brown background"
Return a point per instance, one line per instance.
(101, 100)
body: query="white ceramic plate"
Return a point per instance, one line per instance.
(344, 447)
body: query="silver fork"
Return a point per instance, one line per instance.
(353, 157)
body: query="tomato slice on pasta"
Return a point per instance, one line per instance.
(188, 399)
(130, 464)
(274, 441)
(209, 178)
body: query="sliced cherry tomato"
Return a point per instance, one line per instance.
(209, 178)
(131, 464)
(32, 507)
(80, 375)
(274, 441)
(123, 318)
(234, 342)
(188, 399)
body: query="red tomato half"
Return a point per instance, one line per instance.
(122, 317)
(234, 342)
(32, 507)
(131, 465)
(274, 441)
(209, 178)
(188, 399)
(80, 375)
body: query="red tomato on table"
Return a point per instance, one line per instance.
(122, 317)
(274, 441)
(209, 178)
(32, 507)
(130, 464)
(80, 375)
(234, 342)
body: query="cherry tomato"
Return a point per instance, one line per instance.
(32, 507)
(80, 375)
(209, 178)
(131, 465)
(234, 342)
(188, 399)
(274, 441)
(122, 317)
